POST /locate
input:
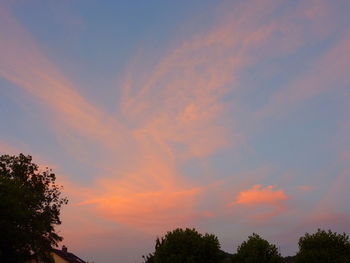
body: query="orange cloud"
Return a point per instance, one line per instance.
(259, 195)
(148, 210)
(146, 206)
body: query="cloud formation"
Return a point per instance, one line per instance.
(260, 195)
(173, 114)
(327, 74)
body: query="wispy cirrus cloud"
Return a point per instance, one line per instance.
(173, 113)
(327, 74)
(24, 64)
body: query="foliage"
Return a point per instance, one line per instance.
(149, 258)
(256, 249)
(289, 259)
(30, 206)
(324, 246)
(186, 246)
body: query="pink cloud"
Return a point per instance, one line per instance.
(259, 205)
(259, 195)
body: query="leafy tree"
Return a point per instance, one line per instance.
(186, 246)
(256, 249)
(324, 246)
(30, 205)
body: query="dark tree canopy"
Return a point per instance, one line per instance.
(30, 206)
(186, 246)
(324, 246)
(257, 249)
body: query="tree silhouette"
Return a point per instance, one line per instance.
(30, 206)
(324, 246)
(257, 249)
(186, 246)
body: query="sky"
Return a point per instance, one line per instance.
(231, 117)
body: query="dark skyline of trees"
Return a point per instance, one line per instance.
(30, 204)
(189, 246)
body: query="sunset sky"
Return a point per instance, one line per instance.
(232, 117)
